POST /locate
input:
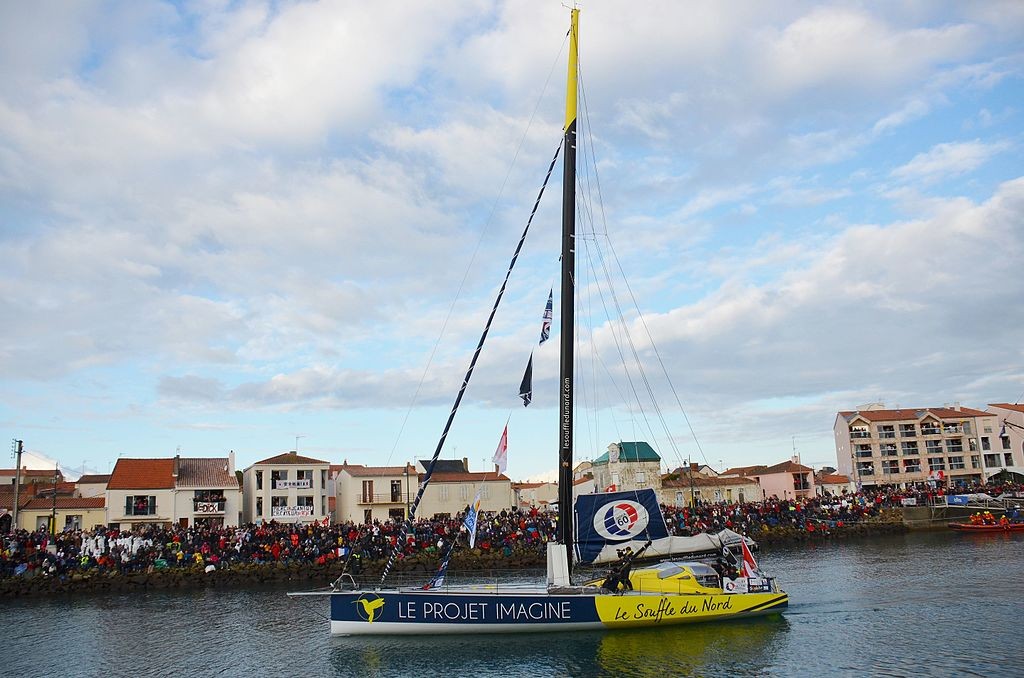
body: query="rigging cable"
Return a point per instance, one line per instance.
(407, 523)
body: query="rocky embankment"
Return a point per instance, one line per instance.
(303, 576)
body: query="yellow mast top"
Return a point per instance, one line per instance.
(570, 85)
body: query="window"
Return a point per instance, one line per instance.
(396, 491)
(887, 431)
(863, 451)
(259, 506)
(975, 461)
(936, 464)
(1008, 458)
(73, 522)
(991, 460)
(140, 505)
(891, 466)
(933, 446)
(985, 444)
(973, 444)
(956, 463)
(304, 500)
(641, 478)
(911, 465)
(909, 447)
(865, 468)
(952, 428)
(367, 493)
(859, 432)
(278, 502)
(259, 480)
(955, 445)
(275, 476)
(929, 428)
(1005, 440)
(908, 430)
(307, 475)
(888, 449)
(323, 478)
(615, 479)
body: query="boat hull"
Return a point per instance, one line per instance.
(966, 527)
(424, 613)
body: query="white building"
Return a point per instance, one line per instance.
(287, 488)
(1008, 454)
(182, 491)
(368, 493)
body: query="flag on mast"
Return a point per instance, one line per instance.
(545, 326)
(471, 519)
(438, 579)
(749, 564)
(526, 387)
(500, 457)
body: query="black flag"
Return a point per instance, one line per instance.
(526, 387)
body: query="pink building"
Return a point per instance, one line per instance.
(788, 480)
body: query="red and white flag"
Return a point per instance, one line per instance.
(501, 454)
(749, 564)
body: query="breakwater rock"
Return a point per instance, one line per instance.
(301, 575)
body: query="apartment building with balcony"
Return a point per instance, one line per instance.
(876, 446)
(1007, 455)
(287, 488)
(364, 494)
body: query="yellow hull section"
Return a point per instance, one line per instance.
(636, 609)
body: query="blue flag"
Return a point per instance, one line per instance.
(471, 518)
(545, 326)
(526, 386)
(438, 579)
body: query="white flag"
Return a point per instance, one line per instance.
(501, 454)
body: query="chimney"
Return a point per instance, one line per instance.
(177, 466)
(465, 463)
(956, 406)
(295, 452)
(231, 462)
(694, 466)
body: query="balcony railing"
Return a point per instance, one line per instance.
(382, 498)
(865, 471)
(929, 430)
(887, 434)
(860, 434)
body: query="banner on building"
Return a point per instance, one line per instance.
(290, 511)
(302, 484)
(208, 507)
(909, 501)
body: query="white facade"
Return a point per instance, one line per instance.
(288, 488)
(1007, 452)
(364, 494)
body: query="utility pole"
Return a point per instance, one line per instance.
(17, 482)
(53, 514)
(407, 490)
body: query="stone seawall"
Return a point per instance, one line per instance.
(304, 576)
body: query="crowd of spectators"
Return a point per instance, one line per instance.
(505, 532)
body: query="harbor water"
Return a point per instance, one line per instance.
(933, 603)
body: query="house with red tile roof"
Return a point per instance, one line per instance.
(364, 494)
(536, 495)
(287, 488)
(71, 513)
(93, 485)
(786, 480)
(834, 483)
(879, 446)
(685, 487)
(182, 491)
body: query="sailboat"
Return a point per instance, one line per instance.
(670, 592)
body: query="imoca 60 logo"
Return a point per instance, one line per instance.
(620, 520)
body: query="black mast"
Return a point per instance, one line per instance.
(565, 381)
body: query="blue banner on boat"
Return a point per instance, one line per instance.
(956, 500)
(614, 517)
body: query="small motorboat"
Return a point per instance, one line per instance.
(967, 527)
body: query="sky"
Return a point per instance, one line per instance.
(262, 226)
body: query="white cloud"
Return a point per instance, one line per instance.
(949, 159)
